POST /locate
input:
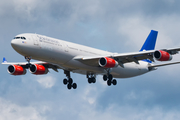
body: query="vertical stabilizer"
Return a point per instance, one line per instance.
(150, 42)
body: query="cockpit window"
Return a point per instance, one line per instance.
(20, 38)
(23, 38)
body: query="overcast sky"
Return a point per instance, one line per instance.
(112, 25)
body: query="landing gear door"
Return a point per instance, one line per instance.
(35, 39)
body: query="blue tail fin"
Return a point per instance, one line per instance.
(150, 41)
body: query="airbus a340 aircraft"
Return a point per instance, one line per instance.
(70, 57)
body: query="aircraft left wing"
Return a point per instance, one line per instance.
(126, 57)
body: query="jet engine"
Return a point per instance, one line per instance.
(16, 70)
(107, 62)
(38, 69)
(162, 55)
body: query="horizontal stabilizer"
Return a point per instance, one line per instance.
(152, 66)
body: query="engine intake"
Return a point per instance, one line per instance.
(162, 55)
(107, 62)
(16, 70)
(38, 69)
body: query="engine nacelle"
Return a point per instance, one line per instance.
(16, 70)
(162, 55)
(38, 69)
(107, 62)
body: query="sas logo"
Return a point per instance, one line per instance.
(23, 42)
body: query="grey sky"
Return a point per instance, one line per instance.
(112, 25)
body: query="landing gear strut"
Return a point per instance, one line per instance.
(69, 81)
(109, 79)
(91, 78)
(28, 59)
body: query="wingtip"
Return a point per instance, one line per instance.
(4, 60)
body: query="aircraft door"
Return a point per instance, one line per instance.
(65, 47)
(35, 39)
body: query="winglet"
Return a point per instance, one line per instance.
(150, 42)
(4, 60)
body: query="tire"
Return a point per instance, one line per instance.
(109, 82)
(114, 82)
(70, 80)
(104, 77)
(74, 85)
(69, 86)
(94, 80)
(65, 81)
(110, 77)
(89, 80)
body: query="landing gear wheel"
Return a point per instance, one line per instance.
(69, 86)
(104, 77)
(89, 80)
(74, 85)
(109, 82)
(65, 81)
(94, 80)
(70, 80)
(110, 77)
(114, 82)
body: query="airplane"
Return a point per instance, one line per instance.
(57, 54)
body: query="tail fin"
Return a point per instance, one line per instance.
(150, 42)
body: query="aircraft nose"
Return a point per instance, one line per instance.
(13, 43)
(16, 44)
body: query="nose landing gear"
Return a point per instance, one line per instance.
(28, 59)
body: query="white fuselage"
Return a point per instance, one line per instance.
(61, 53)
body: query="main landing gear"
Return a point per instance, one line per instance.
(109, 79)
(69, 81)
(91, 78)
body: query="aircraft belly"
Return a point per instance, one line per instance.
(130, 70)
(76, 66)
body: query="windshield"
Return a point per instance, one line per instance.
(20, 38)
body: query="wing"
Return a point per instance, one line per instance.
(26, 65)
(125, 57)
